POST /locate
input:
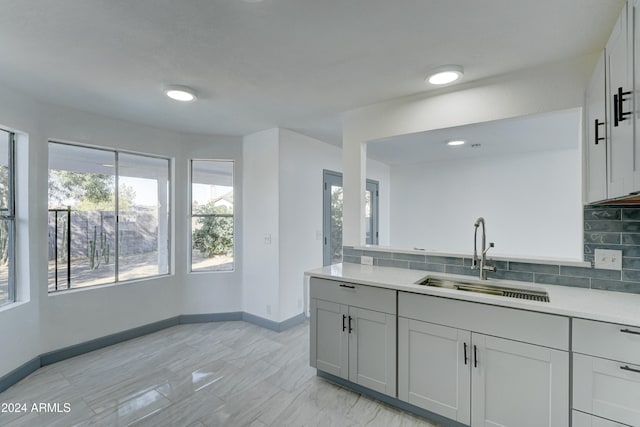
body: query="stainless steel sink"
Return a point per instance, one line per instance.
(488, 288)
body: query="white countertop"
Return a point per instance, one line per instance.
(605, 306)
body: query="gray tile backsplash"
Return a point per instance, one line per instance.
(605, 227)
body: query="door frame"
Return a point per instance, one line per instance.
(334, 178)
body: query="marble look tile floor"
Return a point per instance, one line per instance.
(208, 374)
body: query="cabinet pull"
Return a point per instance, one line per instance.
(629, 331)
(350, 328)
(618, 99)
(598, 137)
(344, 326)
(344, 285)
(465, 354)
(627, 368)
(475, 356)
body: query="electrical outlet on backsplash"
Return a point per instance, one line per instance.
(605, 227)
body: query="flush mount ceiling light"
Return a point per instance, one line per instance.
(455, 142)
(180, 93)
(445, 75)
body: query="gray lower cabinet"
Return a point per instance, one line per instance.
(518, 384)
(354, 341)
(580, 419)
(606, 373)
(433, 370)
(331, 342)
(462, 371)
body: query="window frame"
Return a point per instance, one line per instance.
(10, 218)
(170, 205)
(192, 215)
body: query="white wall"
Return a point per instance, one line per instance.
(283, 196)
(302, 160)
(548, 88)
(42, 322)
(20, 323)
(261, 200)
(530, 204)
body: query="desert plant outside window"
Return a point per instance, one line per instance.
(212, 216)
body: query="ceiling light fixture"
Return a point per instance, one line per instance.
(456, 142)
(181, 93)
(445, 75)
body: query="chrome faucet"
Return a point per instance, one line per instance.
(484, 268)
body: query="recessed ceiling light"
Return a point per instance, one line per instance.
(445, 75)
(456, 142)
(180, 93)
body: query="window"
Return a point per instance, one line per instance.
(7, 218)
(108, 216)
(212, 224)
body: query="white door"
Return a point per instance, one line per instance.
(518, 385)
(596, 141)
(607, 389)
(619, 105)
(372, 350)
(434, 368)
(330, 338)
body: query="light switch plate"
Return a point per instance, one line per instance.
(366, 260)
(608, 259)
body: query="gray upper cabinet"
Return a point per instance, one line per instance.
(612, 148)
(596, 136)
(619, 78)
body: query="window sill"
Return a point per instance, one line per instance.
(12, 305)
(108, 285)
(211, 271)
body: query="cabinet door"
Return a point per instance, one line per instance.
(620, 78)
(634, 30)
(518, 384)
(433, 372)
(329, 342)
(580, 419)
(596, 141)
(372, 350)
(607, 388)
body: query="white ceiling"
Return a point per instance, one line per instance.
(288, 63)
(557, 130)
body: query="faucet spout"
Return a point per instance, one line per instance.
(483, 267)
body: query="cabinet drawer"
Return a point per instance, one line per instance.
(607, 389)
(369, 297)
(608, 340)
(520, 325)
(580, 419)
